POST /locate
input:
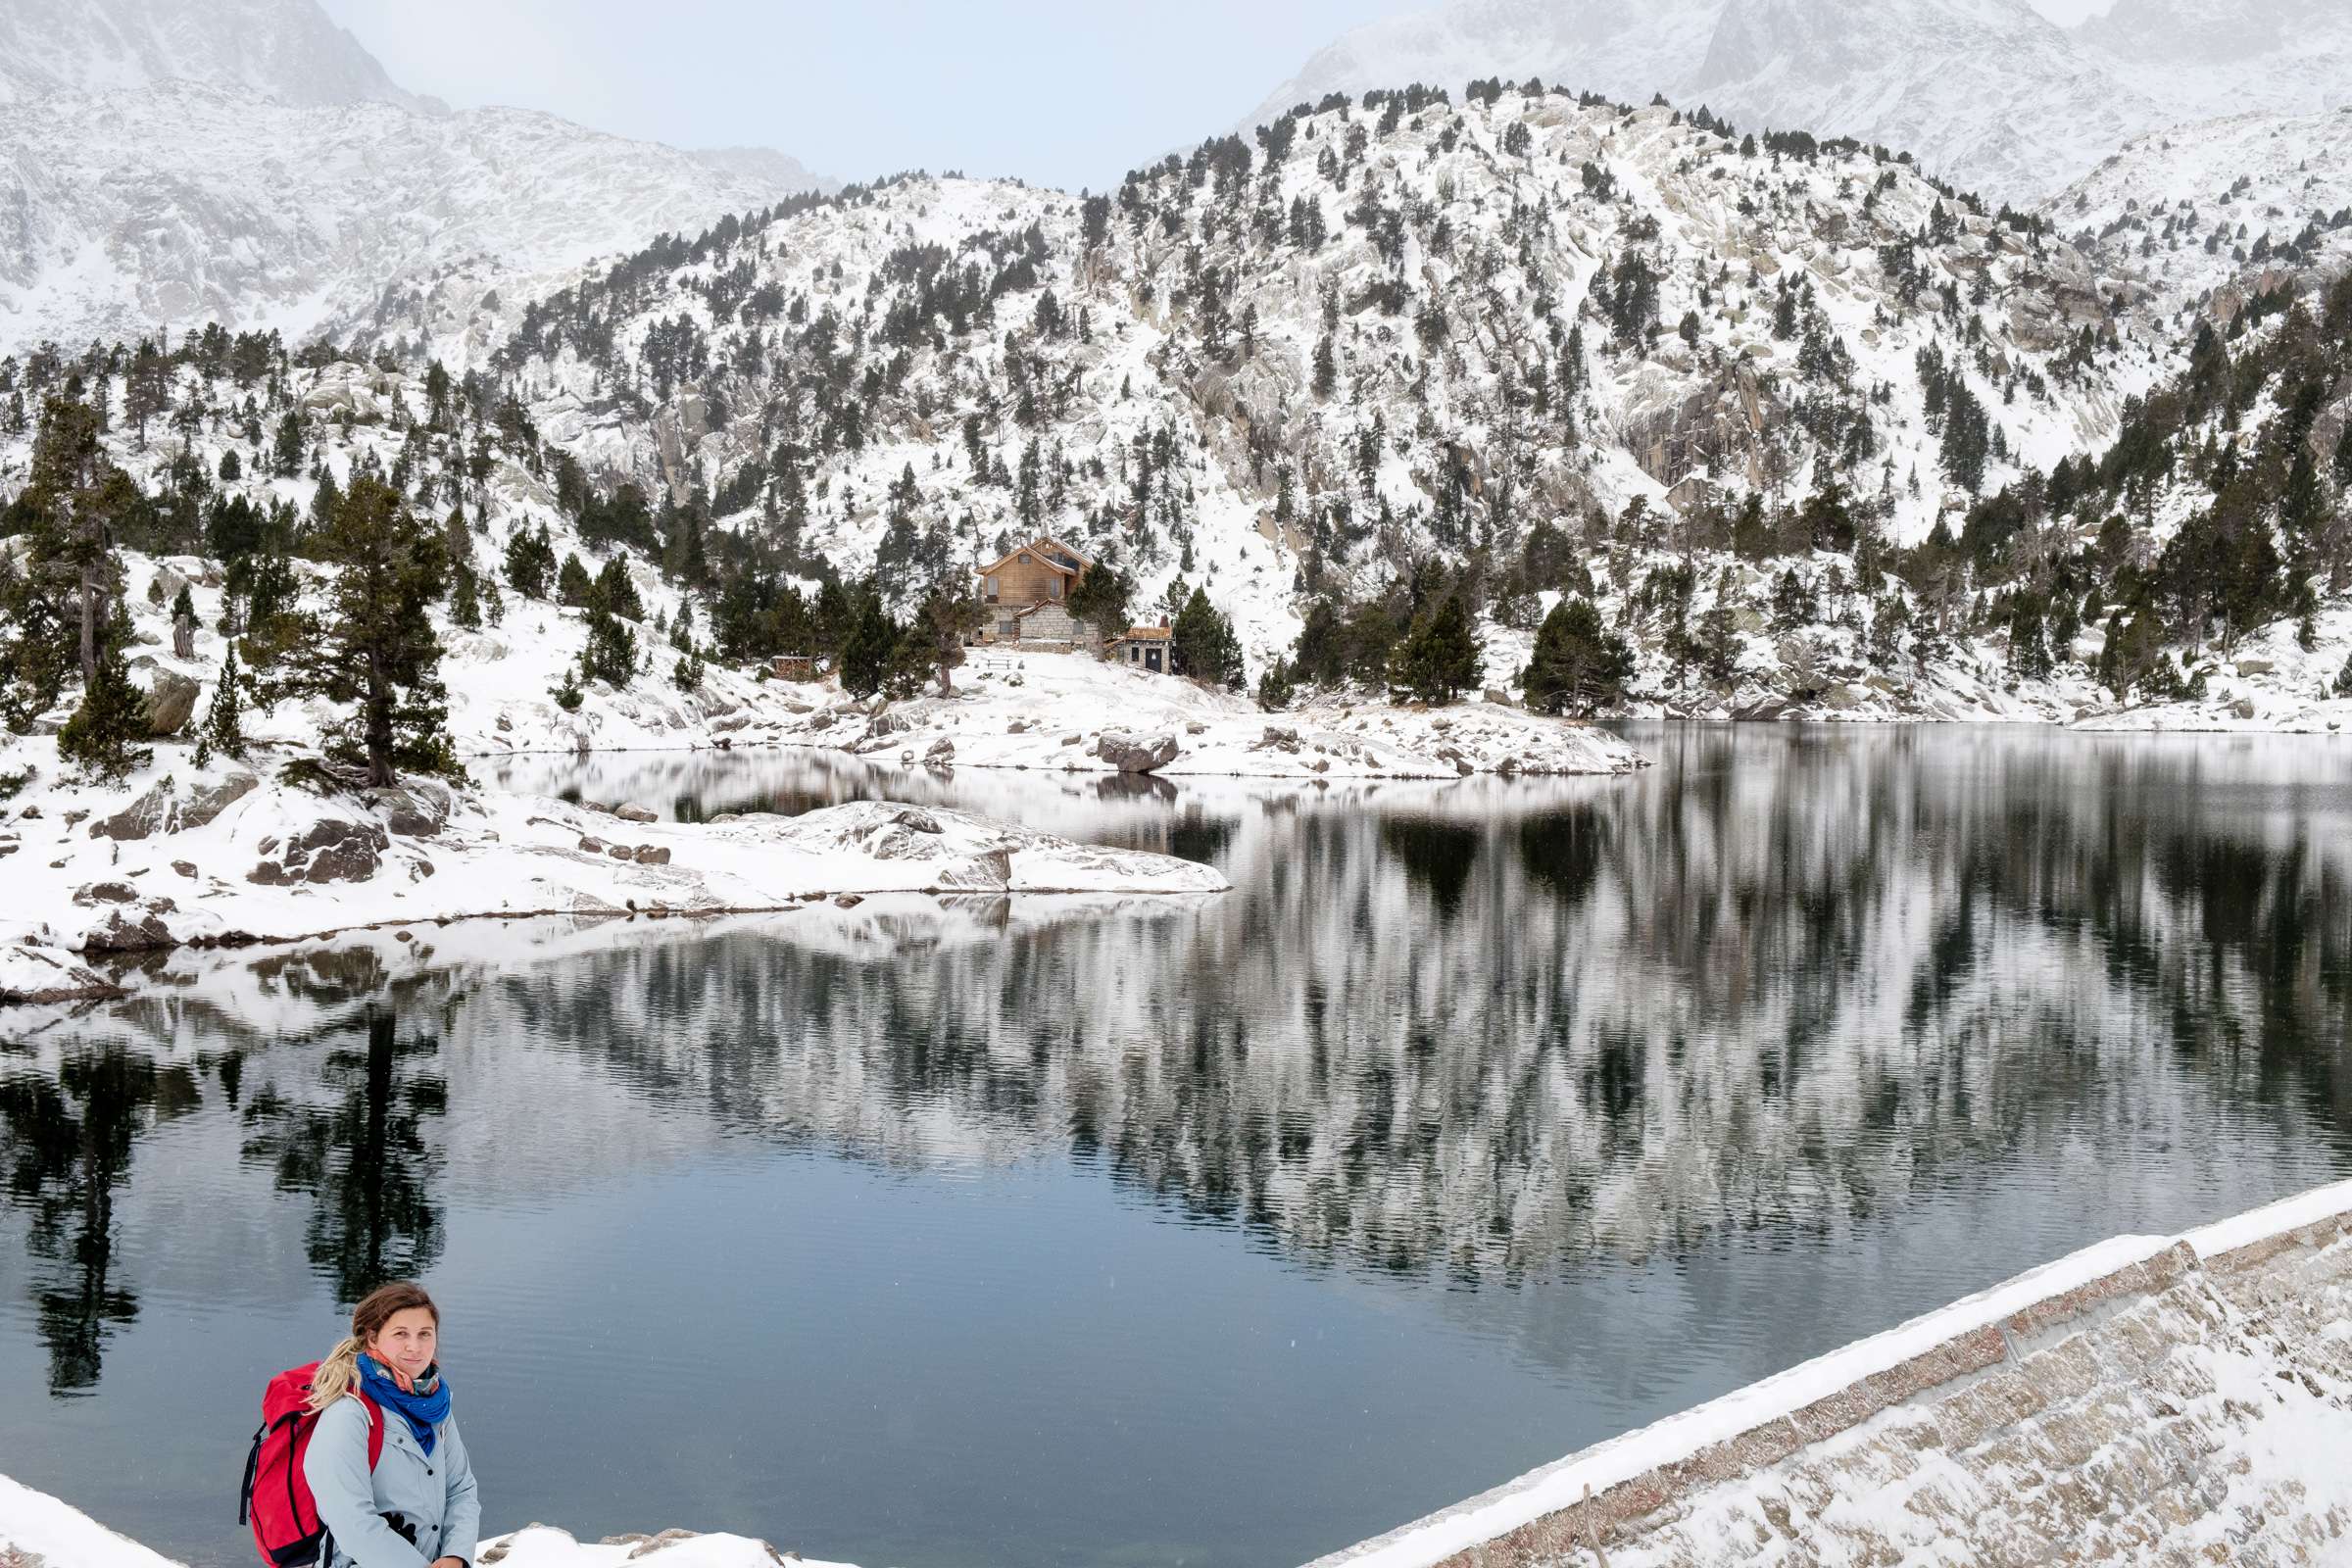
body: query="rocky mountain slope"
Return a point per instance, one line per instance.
(1989, 94)
(2211, 216)
(167, 164)
(283, 49)
(1415, 332)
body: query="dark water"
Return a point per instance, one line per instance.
(1479, 1122)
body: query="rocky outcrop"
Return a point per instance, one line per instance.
(166, 810)
(331, 849)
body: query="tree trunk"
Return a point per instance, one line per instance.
(92, 610)
(380, 722)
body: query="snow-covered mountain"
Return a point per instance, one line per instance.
(1989, 94)
(180, 204)
(2216, 213)
(169, 163)
(284, 49)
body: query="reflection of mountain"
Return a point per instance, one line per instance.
(1784, 982)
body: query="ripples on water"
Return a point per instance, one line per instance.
(1481, 1121)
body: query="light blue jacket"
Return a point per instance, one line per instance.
(434, 1493)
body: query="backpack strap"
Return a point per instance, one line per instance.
(375, 1431)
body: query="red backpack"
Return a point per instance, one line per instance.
(276, 1498)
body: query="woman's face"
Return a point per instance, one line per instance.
(405, 1342)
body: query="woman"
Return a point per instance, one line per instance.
(418, 1507)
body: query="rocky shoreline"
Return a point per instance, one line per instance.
(230, 856)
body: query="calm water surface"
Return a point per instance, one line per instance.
(1479, 1122)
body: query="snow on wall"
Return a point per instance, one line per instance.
(2144, 1400)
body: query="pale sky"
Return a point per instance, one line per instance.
(1066, 93)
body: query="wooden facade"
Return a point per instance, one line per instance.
(1022, 595)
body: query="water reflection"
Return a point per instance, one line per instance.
(362, 1155)
(69, 1140)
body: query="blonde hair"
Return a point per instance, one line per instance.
(339, 1374)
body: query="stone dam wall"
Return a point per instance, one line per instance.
(2149, 1400)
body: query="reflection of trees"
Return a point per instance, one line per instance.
(1771, 985)
(363, 1158)
(1777, 984)
(69, 1140)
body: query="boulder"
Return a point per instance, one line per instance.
(183, 637)
(1130, 753)
(95, 893)
(130, 928)
(171, 703)
(633, 812)
(942, 749)
(1500, 697)
(161, 810)
(652, 854)
(331, 849)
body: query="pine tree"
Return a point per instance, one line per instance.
(374, 646)
(951, 612)
(573, 584)
(2343, 678)
(103, 735)
(866, 651)
(1438, 659)
(568, 695)
(611, 653)
(1719, 632)
(465, 599)
(224, 722)
(1578, 666)
(1327, 368)
(1101, 598)
(1202, 646)
(530, 562)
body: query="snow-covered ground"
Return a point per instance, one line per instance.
(1076, 712)
(39, 1531)
(233, 853)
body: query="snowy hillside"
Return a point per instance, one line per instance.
(283, 49)
(1989, 93)
(181, 204)
(1413, 333)
(170, 162)
(2215, 213)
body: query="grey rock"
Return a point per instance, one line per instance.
(93, 893)
(633, 812)
(592, 846)
(129, 930)
(183, 637)
(171, 701)
(1136, 753)
(942, 749)
(652, 854)
(331, 849)
(621, 851)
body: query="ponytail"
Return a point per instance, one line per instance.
(339, 1374)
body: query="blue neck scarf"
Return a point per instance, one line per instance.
(424, 1409)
